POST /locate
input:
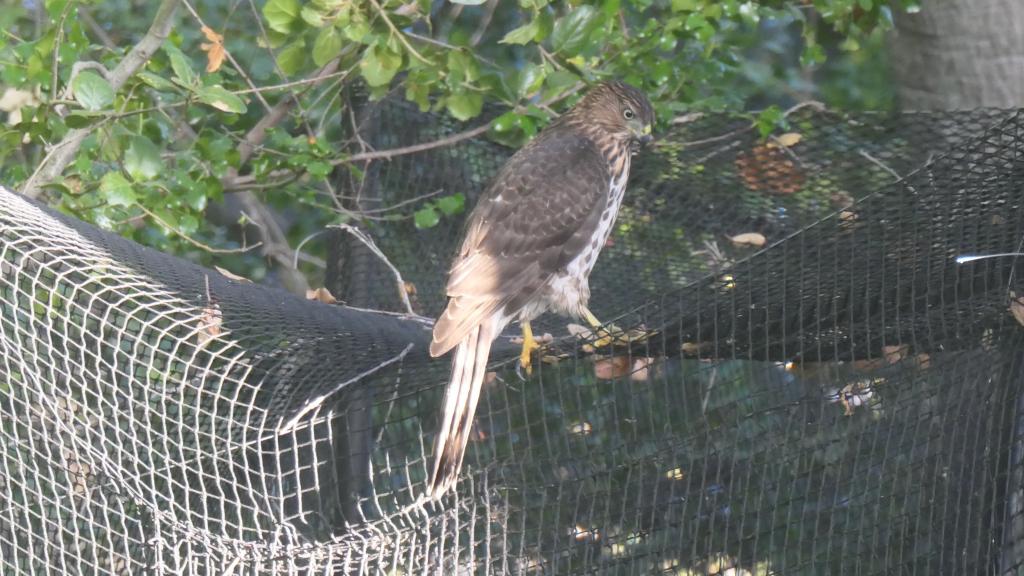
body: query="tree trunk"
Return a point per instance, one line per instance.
(960, 54)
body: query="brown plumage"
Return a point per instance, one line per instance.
(530, 245)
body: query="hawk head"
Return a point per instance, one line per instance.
(619, 109)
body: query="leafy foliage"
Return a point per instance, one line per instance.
(196, 125)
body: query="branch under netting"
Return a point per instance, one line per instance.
(821, 387)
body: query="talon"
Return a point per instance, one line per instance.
(525, 357)
(611, 334)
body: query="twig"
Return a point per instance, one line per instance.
(365, 239)
(485, 21)
(241, 71)
(405, 202)
(879, 163)
(447, 140)
(65, 150)
(96, 29)
(448, 46)
(275, 242)
(439, 143)
(315, 403)
(298, 249)
(401, 37)
(192, 240)
(687, 118)
(789, 112)
(56, 48)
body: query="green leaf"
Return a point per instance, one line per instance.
(180, 64)
(523, 34)
(530, 79)
(117, 190)
(80, 119)
(327, 45)
(465, 105)
(142, 159)
(768, 119)
(572, 32)
(280, 14)
(468, 2)
(92, 91)
(464, 65)
(156, 82)
(379, 65)
(318, 168)
(221, 99)
(357, 30)
(426, 217)
(292, 57)
(451, 205)
(312, 16)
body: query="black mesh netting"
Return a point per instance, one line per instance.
(824, 389)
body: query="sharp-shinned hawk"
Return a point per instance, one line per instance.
(530, 245)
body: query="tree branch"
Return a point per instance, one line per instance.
(64, 151)
(439, 143)
(403, 292)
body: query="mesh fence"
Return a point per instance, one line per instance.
(824, 390)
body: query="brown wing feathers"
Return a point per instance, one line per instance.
(524, 229)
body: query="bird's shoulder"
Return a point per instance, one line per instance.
(561, 169)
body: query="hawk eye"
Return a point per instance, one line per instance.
(628, 114)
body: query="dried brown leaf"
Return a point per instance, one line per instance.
(321, 294)
(210, 324)
(693, 348)
(612, 368)
(675, 474)
(581, 428)
(1017, 307)
(231, 275)
(214, 49)
(789, 139)
(583, 534)
(749, 239)
(642, 369)
(894, 353)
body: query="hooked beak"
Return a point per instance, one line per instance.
(645, 137)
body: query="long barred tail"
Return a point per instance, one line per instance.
(469, 365)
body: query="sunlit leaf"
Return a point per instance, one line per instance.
(221, 99)
(426, 217)
(292, 57)
(465, 105)
(572, 32)
(117, 190)
(142, 159)
(521, 35)
(379, 65)
(180, 65)
(450, 205)
(156, 82)
(327, 45)
(280, 14)
(92, 91)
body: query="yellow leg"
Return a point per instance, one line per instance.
(529, 345)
